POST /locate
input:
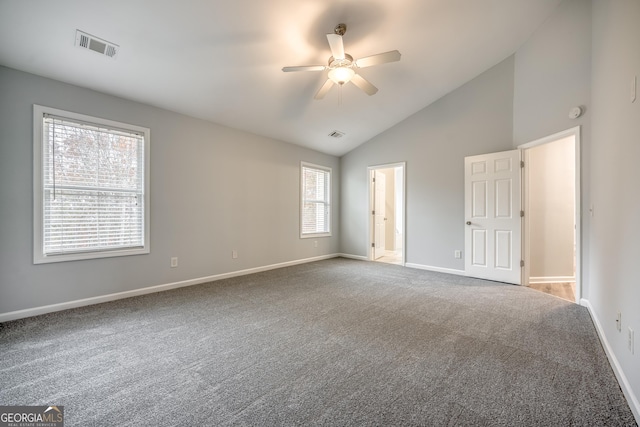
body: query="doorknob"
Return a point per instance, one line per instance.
(468, 222)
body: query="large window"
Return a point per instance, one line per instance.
(91, 187)
(315, 210)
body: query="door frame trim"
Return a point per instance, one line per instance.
(576, 133)
(370, 222)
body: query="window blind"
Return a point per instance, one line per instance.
(93, 187)
(315, 217)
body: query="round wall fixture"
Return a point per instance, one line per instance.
(575, 112)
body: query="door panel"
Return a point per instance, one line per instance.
(503, 249)
(503, 165)
(479, 248)
(504, 204)
(479, 198)
(479, 167)
(492, 211)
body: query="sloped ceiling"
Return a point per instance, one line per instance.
(221, 60)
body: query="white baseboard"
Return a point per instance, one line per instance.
(436, 269)
(632, 399)
(552, 279)
(358, 257)
(29, 312)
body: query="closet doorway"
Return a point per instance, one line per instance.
(387, 213)
(551, 221)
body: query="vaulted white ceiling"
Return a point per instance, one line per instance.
(222, 60)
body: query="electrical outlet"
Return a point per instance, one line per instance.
(174, 262)
(234, 254)
(619, 322)
(315, 243)
(630, 340)
(457, 254)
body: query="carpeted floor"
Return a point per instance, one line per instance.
(336, 342)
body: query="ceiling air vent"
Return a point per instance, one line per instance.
(103, 47)
(336, 134)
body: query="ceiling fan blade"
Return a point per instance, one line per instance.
(380, 58)
(324, 89)
(337, 47)
(364, 84)
(304, 68)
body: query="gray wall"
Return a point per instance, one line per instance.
(476, 118)
(213, 189)
(552, 73)
(615, 226)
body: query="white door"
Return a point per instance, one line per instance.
(492, 215)
(380, 214)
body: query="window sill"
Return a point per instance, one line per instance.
(45, 259)
(315, 235)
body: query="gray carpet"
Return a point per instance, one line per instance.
(336, 342)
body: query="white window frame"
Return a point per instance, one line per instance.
(327, 201)
(39, 257)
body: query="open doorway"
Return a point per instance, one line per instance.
(387, 213)
(551, 222)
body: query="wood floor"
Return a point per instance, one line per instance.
(391, 257)
(565, 291)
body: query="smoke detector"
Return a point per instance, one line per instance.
(336, 134)
(101, 46)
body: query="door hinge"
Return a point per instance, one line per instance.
(373, 212)
(521, 163)
(373, 245)
(521, 214)
(374, 180)
(521, 263)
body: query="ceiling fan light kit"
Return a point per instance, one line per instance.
(341, 65)
(341, 75)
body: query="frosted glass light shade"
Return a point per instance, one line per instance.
(341, 75)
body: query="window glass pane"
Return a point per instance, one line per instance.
(84, 156)
(93, 187)
(315, 209)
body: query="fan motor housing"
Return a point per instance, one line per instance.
(346, 62)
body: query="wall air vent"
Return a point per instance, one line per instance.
(336, 134)
(103, 47)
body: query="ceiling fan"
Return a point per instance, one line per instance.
(341, 65)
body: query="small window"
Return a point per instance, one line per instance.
(91, 187)
(315, 210)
